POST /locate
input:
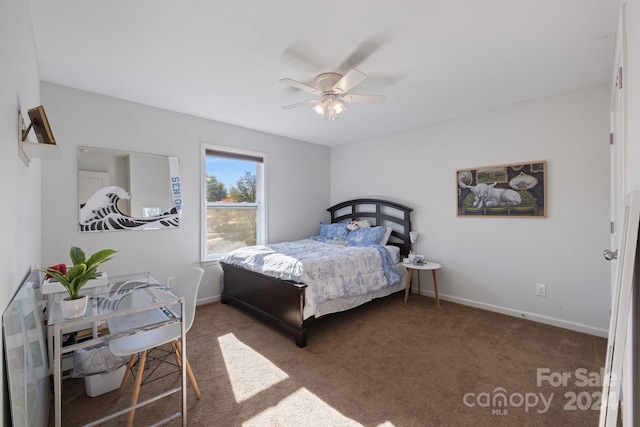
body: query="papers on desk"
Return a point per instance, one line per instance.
(140, 319)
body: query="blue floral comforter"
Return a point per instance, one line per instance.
(329, 270)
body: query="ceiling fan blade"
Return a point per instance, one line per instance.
(352, 78)
(300, 104)
(302, 54)
(301, 86)
(364, 99)
(361, 53)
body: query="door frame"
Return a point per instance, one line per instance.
(625, 216)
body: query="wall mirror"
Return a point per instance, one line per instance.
(123, 190)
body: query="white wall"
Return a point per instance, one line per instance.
(20, 213)
(494, 263)
(297, 184)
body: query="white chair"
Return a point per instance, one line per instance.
(137, 345)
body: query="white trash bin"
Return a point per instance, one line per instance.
(101, 369)
(98, 384)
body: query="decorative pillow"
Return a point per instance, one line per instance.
(386, 236)
(366, 236)
(334, 231)
(354, 225)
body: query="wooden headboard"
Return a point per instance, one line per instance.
(378, 212)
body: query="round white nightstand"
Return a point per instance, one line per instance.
(427, 265)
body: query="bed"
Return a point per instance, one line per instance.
(284, 303)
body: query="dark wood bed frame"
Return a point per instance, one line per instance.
(281, 302)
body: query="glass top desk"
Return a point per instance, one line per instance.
(133, 304)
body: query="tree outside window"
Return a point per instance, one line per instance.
(233, 208)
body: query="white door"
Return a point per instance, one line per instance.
(619, 190)
(618, 152)
(89, 182)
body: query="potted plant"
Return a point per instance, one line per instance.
(76, 276)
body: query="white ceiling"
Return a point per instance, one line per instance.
(222, 60)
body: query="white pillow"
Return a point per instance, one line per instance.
(387, 235)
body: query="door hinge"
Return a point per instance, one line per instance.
(619, 78)
(612, 227)
(611, 138)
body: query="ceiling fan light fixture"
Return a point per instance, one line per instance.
(330, 107)
(337, 109)
(319, 108)
(333, 90)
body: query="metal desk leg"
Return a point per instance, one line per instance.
(57, 375)
(50, 338)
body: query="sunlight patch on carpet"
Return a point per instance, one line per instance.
(249, 372)
(304, 408)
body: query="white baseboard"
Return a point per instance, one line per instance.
(553, 321)
(207, 300)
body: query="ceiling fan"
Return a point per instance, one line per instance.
(332, 90)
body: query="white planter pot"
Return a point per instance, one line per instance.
(73, 308)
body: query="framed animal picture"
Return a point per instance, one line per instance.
(514, 190)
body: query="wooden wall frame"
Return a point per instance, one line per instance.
(40, 125)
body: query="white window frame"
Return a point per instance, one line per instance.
(261, 196)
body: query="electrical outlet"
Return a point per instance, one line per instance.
(170, 282)
(541, 290)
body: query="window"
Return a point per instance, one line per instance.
(234, 205)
